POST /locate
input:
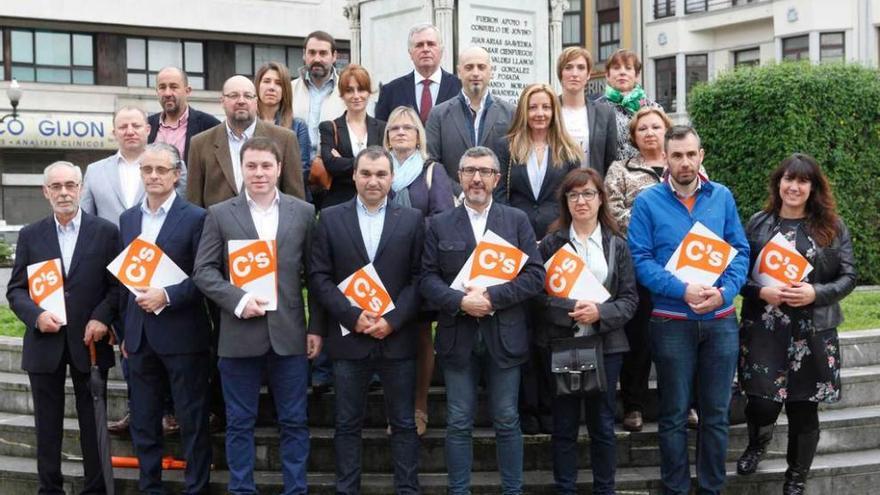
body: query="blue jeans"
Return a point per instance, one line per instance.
(322, 370)
(692, 355)
(600, 423)
(461, 407)
(288, 378)
(399, 379)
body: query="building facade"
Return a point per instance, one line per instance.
(78, 61)
(691, 41)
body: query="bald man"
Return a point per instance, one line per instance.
(474, 118)
(178, 121)
(214, 161)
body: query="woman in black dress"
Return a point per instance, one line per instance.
(789, 350)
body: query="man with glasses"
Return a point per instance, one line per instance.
(480, 331)
(174, 342)
(83, 246)
(214, 163)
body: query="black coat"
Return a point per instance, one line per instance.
(834, 272)
(402, 92)
(197, 122)
(553, 321)
(342, 167)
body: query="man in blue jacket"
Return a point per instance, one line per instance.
(694, 334)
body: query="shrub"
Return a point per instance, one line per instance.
(5, 253)
(751, 119)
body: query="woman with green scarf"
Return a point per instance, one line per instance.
(625, 94)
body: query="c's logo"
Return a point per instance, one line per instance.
(496, 261)
(782, 264)
(366, 293)
(139, 264)
(703, 253)
(251, 262)
(45, 281)
(562, 273)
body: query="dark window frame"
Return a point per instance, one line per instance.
(668, 9)
(797, 51)
(701, 6)
(690, 70)
(604, 18)
(146, 72)
(287, 62)
(671, 105)
(746, 63)
(579, 14)
(841, 45)
(36, 66)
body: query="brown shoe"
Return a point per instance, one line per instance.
(119, 427)
(633, 421)
(693, 419)
(169, 425)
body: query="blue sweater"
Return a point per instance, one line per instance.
(659, 223)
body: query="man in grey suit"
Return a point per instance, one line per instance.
(253, 339)
(113, 185)
(474, 118)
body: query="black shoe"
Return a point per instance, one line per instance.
(801, 451)
(545, 424)
(529, 424)
(759, 437)
(320, 389)
(375, 385)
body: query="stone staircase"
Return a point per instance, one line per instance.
(848, 459)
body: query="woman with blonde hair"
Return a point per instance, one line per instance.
(535, 156)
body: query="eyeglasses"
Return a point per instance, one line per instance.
(402, 127)
(238, 96)
(147, 170)
(484, 172)
(58, 186)
(588, 195)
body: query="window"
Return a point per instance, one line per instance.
(666, 84)
(664, 8)
(747, 58)
(696, 70)
(249, 58)
(796, 48)
(692, 6)
(573, 24)
(147, 56)
(609, 32)
(53, 57)
(831, 47)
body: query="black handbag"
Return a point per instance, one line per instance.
(577, 365)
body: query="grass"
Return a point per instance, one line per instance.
(861, 310)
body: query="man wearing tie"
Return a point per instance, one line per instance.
(254, 340)
(371, 229)
(85, 244)
(426, 86)
(166, 330)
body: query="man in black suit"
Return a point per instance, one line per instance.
(428, 85)
(371, 229)
(480, 331)
(178, 121)
(85, 245)
(175, 342)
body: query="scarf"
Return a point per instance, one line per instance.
(632, 101)
(408, 171)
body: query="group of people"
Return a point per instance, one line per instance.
(410, 193)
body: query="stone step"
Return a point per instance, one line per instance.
(842, 430)
(849, 473)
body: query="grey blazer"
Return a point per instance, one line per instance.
(449, 130)
(102, 190)
(603, 136)
(283, 330)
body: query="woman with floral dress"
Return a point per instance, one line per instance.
(789, 350)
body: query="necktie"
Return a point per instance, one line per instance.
(425, 106)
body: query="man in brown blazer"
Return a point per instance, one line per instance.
(214, 163)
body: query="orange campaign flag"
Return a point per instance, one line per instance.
(703, 253)
(779, 263)
(46, 287)
(563, 270)
(138, 268)
(496, 261)
(367, 292)
(251, 262)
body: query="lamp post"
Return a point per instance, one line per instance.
(14, 95)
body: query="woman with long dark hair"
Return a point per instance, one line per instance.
(789, 350)
(585, 225)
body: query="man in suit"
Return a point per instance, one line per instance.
(254, 340)
(474, 118)
(371, 229)
(480, 330)
(113, 185)
(425, 87)
(213, 162)
(178, 121)
(175, 342)
(85, 244)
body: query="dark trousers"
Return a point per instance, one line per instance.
(637, 362)
(48, 395)
(187, 375)
(536, 387)
(399, 380)
(600, 424)
(803, 416)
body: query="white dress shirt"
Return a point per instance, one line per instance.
(67, 236)
(591, 252)
(129, 178)
(358, 143)
(478, 220)
(537, 170)
(235, 144)
(435, 79)
(266, 223)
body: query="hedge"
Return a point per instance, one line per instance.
(751, 119)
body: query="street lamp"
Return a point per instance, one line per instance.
(13, 92)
